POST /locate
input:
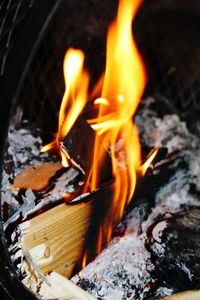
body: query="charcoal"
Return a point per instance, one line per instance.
(174, 243)
(78, 146)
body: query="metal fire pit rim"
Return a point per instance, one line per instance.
(10, 286)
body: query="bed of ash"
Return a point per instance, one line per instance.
(124, 269)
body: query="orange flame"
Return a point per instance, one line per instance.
(123, 86)
(147, 163)
(117, 97)
(84, 260)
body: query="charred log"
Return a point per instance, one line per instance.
(174, 243)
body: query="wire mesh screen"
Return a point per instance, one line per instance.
(12, 14)
(76, 24)
(169, 41)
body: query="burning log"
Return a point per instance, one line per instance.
(58, 238)
(172, 186)
(174, 243)
(110, 133)
(77, 146)
(68, 236)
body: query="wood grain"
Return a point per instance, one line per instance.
(36, 177)
(55, 238)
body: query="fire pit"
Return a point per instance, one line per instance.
(118, 173)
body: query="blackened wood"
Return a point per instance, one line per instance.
(157, 177)
(176, 251)
(79, 145)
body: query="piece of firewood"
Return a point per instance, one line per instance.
(78, 146)
(36, 177)
(59, 287)
(55, 238)
(188, 295)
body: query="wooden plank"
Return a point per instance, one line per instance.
(55, 238)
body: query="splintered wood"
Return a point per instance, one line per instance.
(55, 238)
(59, 287)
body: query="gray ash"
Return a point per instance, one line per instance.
(174, 244)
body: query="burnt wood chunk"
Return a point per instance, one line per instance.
(78, 146)
(175, 248)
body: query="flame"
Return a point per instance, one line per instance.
(84, 260)
(123, 86)
(148, 162)
(117, 95)
(74, 99)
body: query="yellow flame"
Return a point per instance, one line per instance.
(148, 162)
(101, 101)
(75, 96)
(84, 260)
(123, 86)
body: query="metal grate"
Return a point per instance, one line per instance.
(170, 43)
(75, 24)
(12, 14)
(166, 40)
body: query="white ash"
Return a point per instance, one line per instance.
(168, 131)
(163, 291)
(123, 270)
(63, 185)
(171, 198)
(23, 209)
(127, 269)
(61, 189)
(24, 148)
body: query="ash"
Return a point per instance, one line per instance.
(23, 147)
(124, 269)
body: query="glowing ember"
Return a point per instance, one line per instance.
(117, 97)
